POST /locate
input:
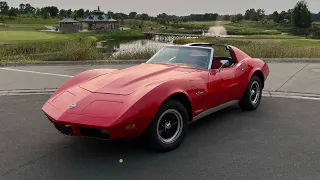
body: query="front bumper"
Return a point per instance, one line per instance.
(87, 126)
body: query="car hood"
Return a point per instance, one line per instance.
(126, 81)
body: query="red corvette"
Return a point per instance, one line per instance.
(159, 98)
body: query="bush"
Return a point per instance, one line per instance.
(77, 51)
(92, 40)
(262, 48)
(81, 49)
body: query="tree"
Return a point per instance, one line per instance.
(249, 14)
(87, 13)
(163, 18)
(233, 19)
(80, 13)
(110, 13)
(53, 11)
(260, 14)
(4, 8)
(275, 16)
(69, 13)
(46, 15)
(63, 13)
(226, 18)
(120, 16)
(301, 16)
(144, 17)
(239, 17)
(13, 12)
(38, 11)
(21, 8)
(236, 18)
(29, 9)
(282, 16)
(316, 32)
(74, 14)
(133, 15)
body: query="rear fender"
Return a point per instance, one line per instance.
(257, 65)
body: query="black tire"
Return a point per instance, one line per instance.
(155, 141)
(246, 102)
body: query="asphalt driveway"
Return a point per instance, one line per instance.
(278, 141)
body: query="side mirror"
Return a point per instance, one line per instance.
(223, 62)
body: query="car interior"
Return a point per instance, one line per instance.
(221, 52)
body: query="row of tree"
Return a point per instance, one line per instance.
(299, 16)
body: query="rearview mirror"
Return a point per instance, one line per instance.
(223, 62)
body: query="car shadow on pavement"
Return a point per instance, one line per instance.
(204, 130)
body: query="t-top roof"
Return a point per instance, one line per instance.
(68, 20)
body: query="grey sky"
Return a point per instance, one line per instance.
(177, 7)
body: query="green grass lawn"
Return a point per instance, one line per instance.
(24, 27)
(29, 36)
(27, 20)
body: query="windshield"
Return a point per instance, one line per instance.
(196, 57)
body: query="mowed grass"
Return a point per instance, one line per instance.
(267, 48)
(24, 27)
(30, 36)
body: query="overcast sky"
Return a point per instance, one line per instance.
(176, 7)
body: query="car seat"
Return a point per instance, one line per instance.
(216, 63)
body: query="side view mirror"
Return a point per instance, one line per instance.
(223, 62)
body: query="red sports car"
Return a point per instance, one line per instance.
(158, 99)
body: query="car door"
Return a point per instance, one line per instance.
(222, 85)
(229, 84)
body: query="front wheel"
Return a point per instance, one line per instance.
(168, 128)
(252, 96)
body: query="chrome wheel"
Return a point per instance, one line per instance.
(255, 92)
(169, 126)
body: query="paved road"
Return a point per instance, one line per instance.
(287, 77)
(278, 141)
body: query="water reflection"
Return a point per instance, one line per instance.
(112, 48)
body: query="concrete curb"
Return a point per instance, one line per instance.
(265, 93)
(291, 60)
(292, 95)
(26, 92)
(86, 62)
(118, 62)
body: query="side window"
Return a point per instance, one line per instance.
(221, 51)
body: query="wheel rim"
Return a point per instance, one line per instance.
(255, 92)
(169, 126)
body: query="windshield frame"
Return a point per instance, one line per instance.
(186, 46)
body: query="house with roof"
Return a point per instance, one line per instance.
(69, 25)
(99, 20)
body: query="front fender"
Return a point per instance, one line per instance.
(145, 103)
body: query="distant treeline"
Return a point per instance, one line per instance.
(55, 12)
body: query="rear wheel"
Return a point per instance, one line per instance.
(168, 128)
(252, 96)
